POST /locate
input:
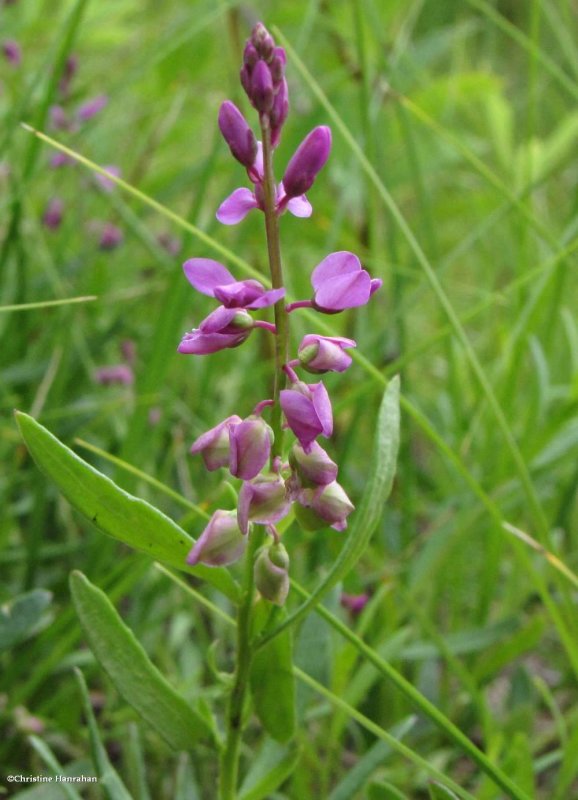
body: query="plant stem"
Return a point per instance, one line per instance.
(281, 317)
(229, 772)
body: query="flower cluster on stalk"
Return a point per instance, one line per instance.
(307, 480)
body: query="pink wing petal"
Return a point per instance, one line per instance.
(217, 320)
(300, 206)
(344, 291)
(333, 265)
(268, 298)
(236, 206)
(322, 405)
(205, 274)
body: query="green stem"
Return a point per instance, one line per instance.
(281, 316)
(230, 757)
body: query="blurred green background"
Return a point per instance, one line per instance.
(466, 207)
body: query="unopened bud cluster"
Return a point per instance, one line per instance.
(306, 481)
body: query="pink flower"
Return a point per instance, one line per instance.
(214, 444)
(213, 279)
(236, 207)
(118, 373)
(221, 542)
(319, 354)
(354, 602)
(92, 107)
(325, 505)
(339, 282)
(308, 160)
(222, 329)
(237, 134)
(263, 501)
(250, 443)
(308, 412)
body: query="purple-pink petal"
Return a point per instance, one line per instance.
(304, 418)
(214, 444)
(250, 443)
(220, 543)
(344, 291)
(268, 298)
(375, 284)
(205, 274)
(236, 207)
(239, 294)
(299, 206)
(218, 319)
(88, 110)
(197, 343)
(322, 406)
(335, 264)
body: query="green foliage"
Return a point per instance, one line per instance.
(272, 681)
(21, 617)
(107, 775)
(128, 666)
(452, 175)
(109, 508)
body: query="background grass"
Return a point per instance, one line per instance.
(453, 176)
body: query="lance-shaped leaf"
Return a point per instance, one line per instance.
(112, 510)
(138, 681)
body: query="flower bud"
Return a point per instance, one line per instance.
(308, 160)
(250, 443)
(116, 373)
(12, 52)
(355, 603)
(220, 543)
(59, 119)
(271, 573)
(250, 55)
(314, 468)
(111, 237)
(319, 354)
(91, 108)
(53, 214)
(279, 112)
(214, 444)
(262, 41)
(262, 88)
(329, 505)
(237, 133)
(263, 501)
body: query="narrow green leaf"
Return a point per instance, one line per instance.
(109, 779)
(367, 516)
(128, 666)
(385, 791)
(51, 761)
(437, 791)
(271, 767)
(112, 510)
(272, 681)
(47, 304)
(186, 787)
(136, 764)
(357, 777)
(569, 766)
(20, 617)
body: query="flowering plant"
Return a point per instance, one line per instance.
(253, 449)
